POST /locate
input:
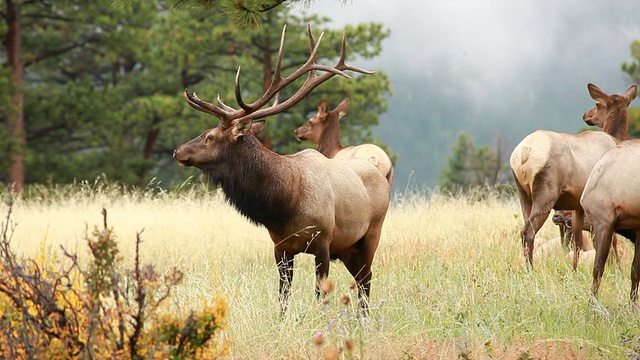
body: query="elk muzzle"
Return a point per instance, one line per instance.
(181, 156)
(299, 133)
(589, 116)
(557, 219)
(308, 132)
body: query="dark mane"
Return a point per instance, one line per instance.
(257, 191)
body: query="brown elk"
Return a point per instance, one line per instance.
(562, 218)
(324, 130)
(330, 208)
(550, 168)
(611, 200)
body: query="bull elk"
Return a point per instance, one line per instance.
(324, 130)
(330, 208)
(550, 169)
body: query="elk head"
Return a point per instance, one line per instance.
(610, 108)
(325, 119)
(213, 149)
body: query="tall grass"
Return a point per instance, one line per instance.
(449, 279)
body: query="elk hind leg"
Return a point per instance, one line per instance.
(284, 261)
(361, 272)
(603, 235)
(359, 262)
(323, 258)
(635, 271)
(532, 225)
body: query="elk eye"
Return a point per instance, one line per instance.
(209, 137)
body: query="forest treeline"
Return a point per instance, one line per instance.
(97, 88)
(92, 89)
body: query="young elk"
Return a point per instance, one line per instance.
(562, 218)
(550, 169)
(324, 130)
(330, 208)
(611, 200)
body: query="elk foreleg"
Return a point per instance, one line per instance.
(284, 261)
(616, 250)
(577, 221)
(565, 237)
(603, 235)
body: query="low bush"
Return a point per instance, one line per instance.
(68, 307)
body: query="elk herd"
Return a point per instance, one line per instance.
(331, 202)
(591, 174)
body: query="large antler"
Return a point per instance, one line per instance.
(254, 110)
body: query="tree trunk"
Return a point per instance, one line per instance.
(149, 146)
(15, 118)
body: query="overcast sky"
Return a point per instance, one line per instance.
(496, 41)
(494, 53)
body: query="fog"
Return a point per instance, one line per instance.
(490, 67)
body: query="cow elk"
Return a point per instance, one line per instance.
(550, 169)
(330, 208)
(611, 200)
(324, 130)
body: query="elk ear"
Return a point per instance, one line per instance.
(240, 128)
(342, 108)
(596, 93)
(323, 109)
(258, 126)
(632, 91)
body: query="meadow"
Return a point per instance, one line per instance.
(449, 278)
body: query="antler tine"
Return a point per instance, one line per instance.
(342, 65)
(275, 82)
(239, 100)
(312, 41)
(195, 102)
(223, 105)
(277, 73)
(255, 111)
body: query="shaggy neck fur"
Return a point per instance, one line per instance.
(329, 144)
(259, 183)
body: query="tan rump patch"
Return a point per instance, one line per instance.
(530, 156)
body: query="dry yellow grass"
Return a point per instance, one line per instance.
(449, 279)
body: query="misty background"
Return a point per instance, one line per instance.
(489, 68)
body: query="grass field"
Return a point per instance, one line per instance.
(449, 279)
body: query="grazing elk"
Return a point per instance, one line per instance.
(550, 168)
(562, 218)
(324, 130)
(330, 208)
(611, 200)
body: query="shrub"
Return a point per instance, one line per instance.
(70, 309)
